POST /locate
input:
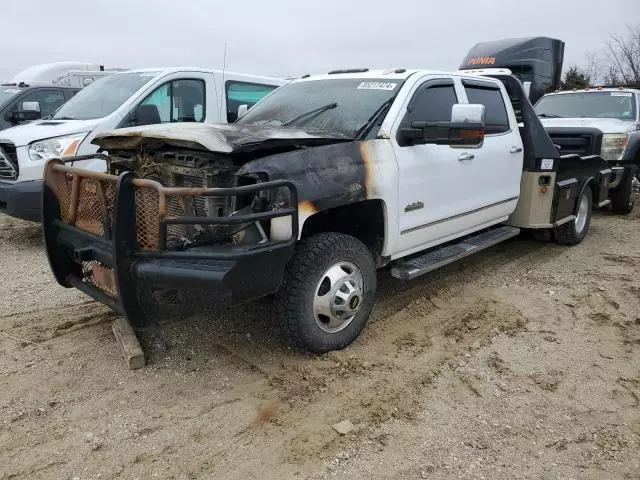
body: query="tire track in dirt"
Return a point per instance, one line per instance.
(39, 326)
(225, 398)
(372, 386)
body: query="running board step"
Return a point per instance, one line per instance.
(412, 267)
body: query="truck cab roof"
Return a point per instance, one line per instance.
(25, 85)
(594, 90)
(162, 71)
(388, 74)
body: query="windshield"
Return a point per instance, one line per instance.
(332, 106)
(619, 105)
(7, 93)
(103, 96)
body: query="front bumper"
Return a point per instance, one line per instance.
(106, 236)
(21, 199)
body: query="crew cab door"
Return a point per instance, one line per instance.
(438, 192)
(498, 164)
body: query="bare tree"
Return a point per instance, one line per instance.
(593, 66)
(611, 76)
(622, 55)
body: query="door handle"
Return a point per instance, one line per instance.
(466, 156)
(515, 150)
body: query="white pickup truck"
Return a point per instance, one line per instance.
(608, 124)
(123, 99)
(321, 183)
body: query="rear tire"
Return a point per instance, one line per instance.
(327, 292)
(573, 232)
(621, 200)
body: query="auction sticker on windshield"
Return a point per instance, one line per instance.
(621, 94)
(377, 86)
(12, 90)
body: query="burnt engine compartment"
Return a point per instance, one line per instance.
(197, 170)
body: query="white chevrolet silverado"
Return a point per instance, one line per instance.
(321, 183)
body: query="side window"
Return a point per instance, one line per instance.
(496, 117)
(49, 100)
(243, 93)
(156, 108)
(188, 101)
(433, 104)
(175, 101)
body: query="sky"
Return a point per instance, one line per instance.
(289, 38)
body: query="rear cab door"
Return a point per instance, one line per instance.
(498, 164)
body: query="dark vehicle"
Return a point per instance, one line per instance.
(537, 60)
(21, 102)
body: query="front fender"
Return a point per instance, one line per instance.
(325, 177)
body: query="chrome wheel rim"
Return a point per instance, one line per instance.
(581, 218)
(338, 297)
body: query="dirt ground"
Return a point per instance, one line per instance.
(520, 362)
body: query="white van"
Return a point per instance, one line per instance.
(125, 99)
(63, 74)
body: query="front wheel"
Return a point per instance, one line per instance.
(625, 195)
(573, 232)
(327, 292)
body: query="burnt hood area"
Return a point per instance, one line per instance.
(235, 140)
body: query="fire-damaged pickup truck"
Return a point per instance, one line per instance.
(324, 181)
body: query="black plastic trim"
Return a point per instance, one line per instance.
(586, 184)
(468, 82)
(22, 199)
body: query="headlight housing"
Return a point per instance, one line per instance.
(613, 145)
(57, 147)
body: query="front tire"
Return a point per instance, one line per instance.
(573, 232)
(623, 200)
(327, 292)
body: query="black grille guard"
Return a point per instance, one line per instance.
(241, 272)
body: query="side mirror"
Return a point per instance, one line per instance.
(28, 111)
(242, 109)
(466, 128)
